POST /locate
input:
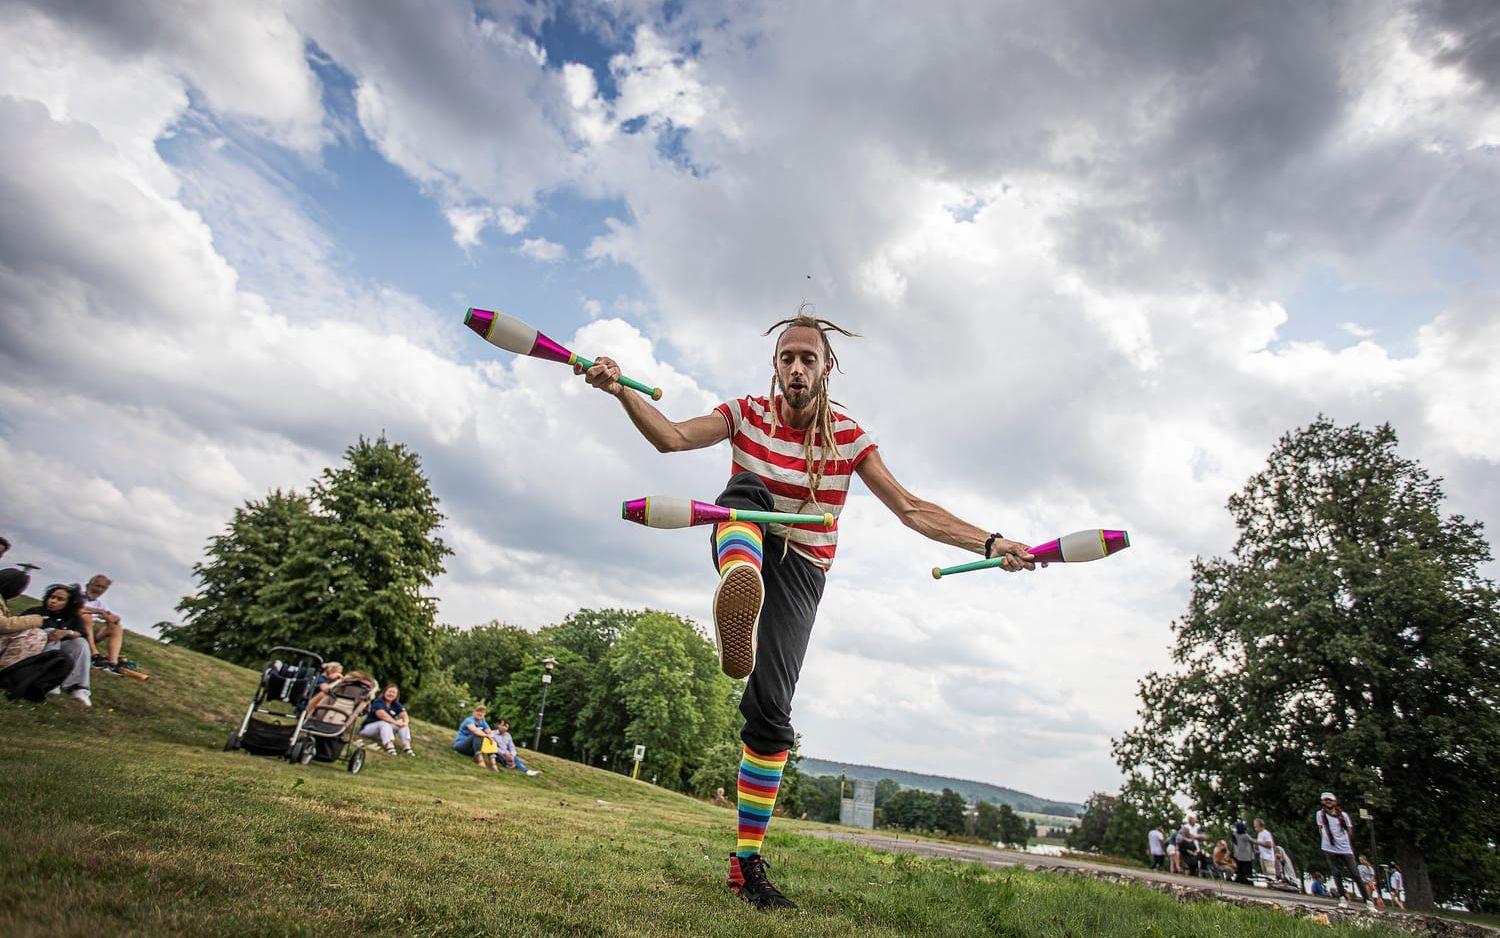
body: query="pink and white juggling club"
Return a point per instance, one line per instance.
(1078, 547)
(513, 335)
(670, 511)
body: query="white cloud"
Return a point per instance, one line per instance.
(1070, 291)
(540, 249)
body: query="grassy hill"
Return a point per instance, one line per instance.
(129, 819)
(972, 791)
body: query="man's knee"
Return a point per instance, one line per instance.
(746, 490)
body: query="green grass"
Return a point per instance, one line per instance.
(129, 819)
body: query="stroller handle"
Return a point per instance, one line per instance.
(302, 652)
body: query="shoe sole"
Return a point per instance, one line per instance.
(737, 602)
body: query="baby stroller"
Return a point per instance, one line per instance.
(284, 685)
(328, 731)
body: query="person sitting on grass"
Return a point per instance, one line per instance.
(103, 625)
(473, 733)
(387, 720)
(507, 749)
(62, 614)
(21, 637)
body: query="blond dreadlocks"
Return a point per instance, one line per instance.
(822, 426)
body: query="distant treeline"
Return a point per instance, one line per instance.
(970, 791)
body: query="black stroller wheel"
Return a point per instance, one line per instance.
(233, 742)
(306, 753)
(356, 761)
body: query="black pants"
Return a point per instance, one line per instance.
(794, 585)
(1338, 864)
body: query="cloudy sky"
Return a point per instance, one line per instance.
(1101, 254)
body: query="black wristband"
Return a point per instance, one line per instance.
(990, 543)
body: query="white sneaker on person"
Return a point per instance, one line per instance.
(532, 773)
(56, 690)
(1343, 903)
(81, 695)
(1369, 906)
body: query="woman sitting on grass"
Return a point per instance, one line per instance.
(473, 733)
(387, 720)
(62, 622)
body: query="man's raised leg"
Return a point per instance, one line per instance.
(738, 548)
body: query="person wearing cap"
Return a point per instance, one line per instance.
(1335, 830)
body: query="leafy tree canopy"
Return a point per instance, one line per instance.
(1348, 644)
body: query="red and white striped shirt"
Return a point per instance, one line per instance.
(781, 462)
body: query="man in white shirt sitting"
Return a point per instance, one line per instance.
(103, 624)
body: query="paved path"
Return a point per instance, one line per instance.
(990, 856)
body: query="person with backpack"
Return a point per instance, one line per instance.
(1335, 828)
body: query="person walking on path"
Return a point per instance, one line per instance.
(1156, 846)
(790, 451)
(1334, 830)
(1244, 853)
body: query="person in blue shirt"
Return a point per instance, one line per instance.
(472, 733)
(387, 720)
(1317, 888)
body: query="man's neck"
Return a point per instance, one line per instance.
(798, 418)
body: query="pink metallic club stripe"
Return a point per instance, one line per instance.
(1115, 541)
(550, 350)
(1050, 552)
(634, 510)
(480, 320)
(704, 513)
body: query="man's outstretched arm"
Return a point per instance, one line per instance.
(667, 436)
(934, 521)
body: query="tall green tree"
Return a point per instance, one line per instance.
(1098, 811)
(229, 616)
(519, 699)
(1012, 827)
(1348, 643)
(659, 685)
(1140, 807)
(484, 657)
(950, 812)
(349, 574)
(911, 809)
(590, 632)
(987, 822)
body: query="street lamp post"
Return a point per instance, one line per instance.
(549, 663)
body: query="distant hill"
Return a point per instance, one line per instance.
(972, 791)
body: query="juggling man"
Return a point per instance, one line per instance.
(791, 451)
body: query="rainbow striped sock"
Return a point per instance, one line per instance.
(760, 776)
(737, 542)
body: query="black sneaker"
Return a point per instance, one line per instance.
(100, 661)
(747, 879)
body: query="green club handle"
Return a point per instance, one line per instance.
(939, 572)
(782, 517)
(653, 393)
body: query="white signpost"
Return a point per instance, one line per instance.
(640, 753)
